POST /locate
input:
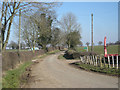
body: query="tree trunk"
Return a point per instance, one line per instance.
(33, 42)
(8, 34)
(33, 48)
(9, 27)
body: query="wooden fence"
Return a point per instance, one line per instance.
(101, 61)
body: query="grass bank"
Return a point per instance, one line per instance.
(46, 54)
(61, 57)
(12, 77)
(88, 67)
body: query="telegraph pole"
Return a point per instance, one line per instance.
(19, 27)
(92, 32)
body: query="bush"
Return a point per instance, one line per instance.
(71, 54)
(76, 55)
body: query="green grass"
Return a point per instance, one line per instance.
(53, 52)
(61, 56)
(80, 49)
(46, 54)
(105, 70)
(109, 71)
(12, 77)
(111, 49)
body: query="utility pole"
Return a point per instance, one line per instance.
(92, 32)
(19, 27)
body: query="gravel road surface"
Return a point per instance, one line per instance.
(51, 72)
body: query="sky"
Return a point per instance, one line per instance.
(119, 21)
(105, 19)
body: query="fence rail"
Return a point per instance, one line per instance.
(101, 61)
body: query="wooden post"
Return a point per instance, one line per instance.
(19, 27)
(87, 60)
(90, 59)
(93, 60)
(92, 32)
(82, 59)
(104, 63)
(100, 61)
(96, 60)
(109, 61)
(113, 61)
(117, 61)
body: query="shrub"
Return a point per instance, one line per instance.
(71, 54)
(76, 55)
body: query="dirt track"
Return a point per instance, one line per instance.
(53, 73)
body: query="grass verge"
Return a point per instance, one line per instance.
(88, 67)
(53, 52)
(12, 77)
(61, 56)
(48, 53)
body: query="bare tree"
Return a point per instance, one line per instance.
(13, 45)
(22, 45)
(10, 10)
(37, 29)
(69, 24)
(29, 32)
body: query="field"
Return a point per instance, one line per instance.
(111, 49)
